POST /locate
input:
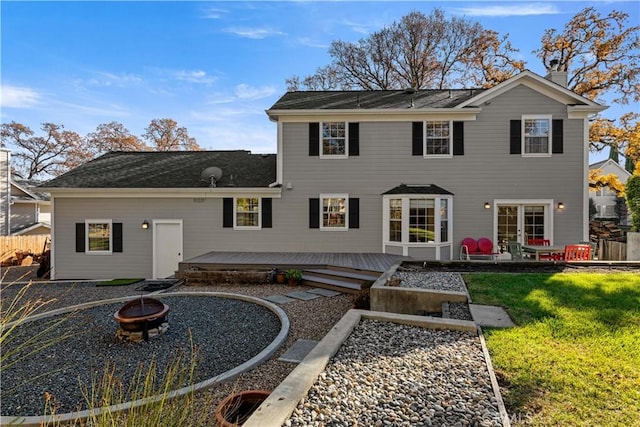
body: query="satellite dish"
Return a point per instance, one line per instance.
(211, 175)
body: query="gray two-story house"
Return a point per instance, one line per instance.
(405, 172)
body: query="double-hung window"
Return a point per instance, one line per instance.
(536, 135)
(247, 212)
(99, 236)
(334, 139)
(437, 141)
(334, 212)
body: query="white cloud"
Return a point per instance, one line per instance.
(196, 76)
(306, 41)
(105, 79)
(213, 13)
(522, 9)
(244, 91)
(254, 33)
(19, 97)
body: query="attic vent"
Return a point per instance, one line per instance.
(211, 175)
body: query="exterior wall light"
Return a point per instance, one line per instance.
(560, 205)
(145, 224)
(487, 205)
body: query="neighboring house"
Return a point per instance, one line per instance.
(24, 210)
(402, 172)
(5, 191)
(605, 199)
(30, 208)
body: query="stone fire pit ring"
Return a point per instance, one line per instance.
(249, 364)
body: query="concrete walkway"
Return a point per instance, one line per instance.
(490, 315)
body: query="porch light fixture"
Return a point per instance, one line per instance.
(560, 205)
(487, 205)
(145, 224)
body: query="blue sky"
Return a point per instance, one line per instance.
(214, 67)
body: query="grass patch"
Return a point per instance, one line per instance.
(119, 282)
(573, 358)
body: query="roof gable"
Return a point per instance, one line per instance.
(539, 84)
(170, 169)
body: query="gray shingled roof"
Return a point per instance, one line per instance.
(169, 169)
(418, 189)
(376, 99)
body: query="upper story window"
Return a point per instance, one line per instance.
(536, 136)
(99, 238)
(334, 212)
(334, 139)
(437, 141)
(247, 212)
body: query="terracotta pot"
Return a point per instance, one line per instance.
(235, 409)
(280, 279)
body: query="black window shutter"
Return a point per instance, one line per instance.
(416, 139)
(117, 237)
(354, 139)
(227, 212)
(458, 138)
(314, 213)
(515, 137)
(80, 237)
(354, 212)
(314, 139)
(557, 137)
(266, 213)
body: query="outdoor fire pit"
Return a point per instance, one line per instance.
(141, 319)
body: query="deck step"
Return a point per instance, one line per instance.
(342, 275)
(330, 283)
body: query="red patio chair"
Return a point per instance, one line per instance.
(544, 242)
(577, 253)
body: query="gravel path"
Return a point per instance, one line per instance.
(391, 374)
(441, 281)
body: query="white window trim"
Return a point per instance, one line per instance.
(346, 141)
(86, 236)
(235, 216)
(549, 214)
(424, 141)
(525, 117)
(406, 198)
(346, 211)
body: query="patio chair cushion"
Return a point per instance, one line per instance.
(471, 244)
(485, 246)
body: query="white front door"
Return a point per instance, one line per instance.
(167, 247)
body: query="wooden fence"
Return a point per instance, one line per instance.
(10, 245)
(609, 250)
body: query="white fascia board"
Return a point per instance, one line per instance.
(583, 111)
(166, 193)
(377, 115)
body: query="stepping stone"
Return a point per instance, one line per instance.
(278, 299)
(298, 351)
(324, 292)
(490, 315)
(305, 296)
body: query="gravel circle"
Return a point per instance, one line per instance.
(225, 332)
(392, 374)
(441, 281)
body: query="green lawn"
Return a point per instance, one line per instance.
(574, 357)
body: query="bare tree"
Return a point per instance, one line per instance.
(42, 156)
(165, 135)
(419, 51)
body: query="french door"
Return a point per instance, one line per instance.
(520, 222)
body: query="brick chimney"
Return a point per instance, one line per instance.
(558, 77)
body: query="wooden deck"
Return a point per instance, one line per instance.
(282, 260)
